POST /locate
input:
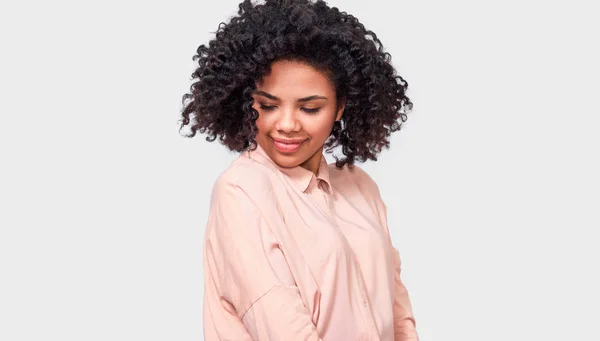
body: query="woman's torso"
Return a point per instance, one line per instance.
(330, 228)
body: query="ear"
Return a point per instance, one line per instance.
(340, 110)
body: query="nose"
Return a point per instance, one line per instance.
(287, 121)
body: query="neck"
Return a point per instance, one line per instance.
(313, 162)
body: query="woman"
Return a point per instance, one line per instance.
(296, 249)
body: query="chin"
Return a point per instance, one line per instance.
(287, 161)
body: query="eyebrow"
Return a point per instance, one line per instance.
(304, 99)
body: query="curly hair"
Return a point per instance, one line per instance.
(333, 42)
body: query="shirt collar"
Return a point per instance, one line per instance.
(301, 176)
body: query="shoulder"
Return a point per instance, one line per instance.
(354, 176)
(243, 177)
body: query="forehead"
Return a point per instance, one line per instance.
(295, 79)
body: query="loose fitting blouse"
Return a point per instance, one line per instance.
(290, 255)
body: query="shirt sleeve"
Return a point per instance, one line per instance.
(404, 320)
(249, 271)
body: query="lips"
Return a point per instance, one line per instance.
(287, 146)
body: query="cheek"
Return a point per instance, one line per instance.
(319, 127)
(261, 123)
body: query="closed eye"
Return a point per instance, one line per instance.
(307, 110)
(311, 111)
(266, 107)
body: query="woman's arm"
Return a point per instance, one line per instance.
(248, 273)
(404, 320)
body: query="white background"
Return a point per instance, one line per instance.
(492, 184)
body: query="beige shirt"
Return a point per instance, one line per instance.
(292, 256)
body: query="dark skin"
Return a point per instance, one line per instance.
(296, 102)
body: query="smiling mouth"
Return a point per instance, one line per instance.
(287, 146)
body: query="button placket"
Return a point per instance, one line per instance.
(326, 195)
(319, 192)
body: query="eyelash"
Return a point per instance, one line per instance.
(308, 111)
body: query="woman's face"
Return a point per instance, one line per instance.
(297, 109)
